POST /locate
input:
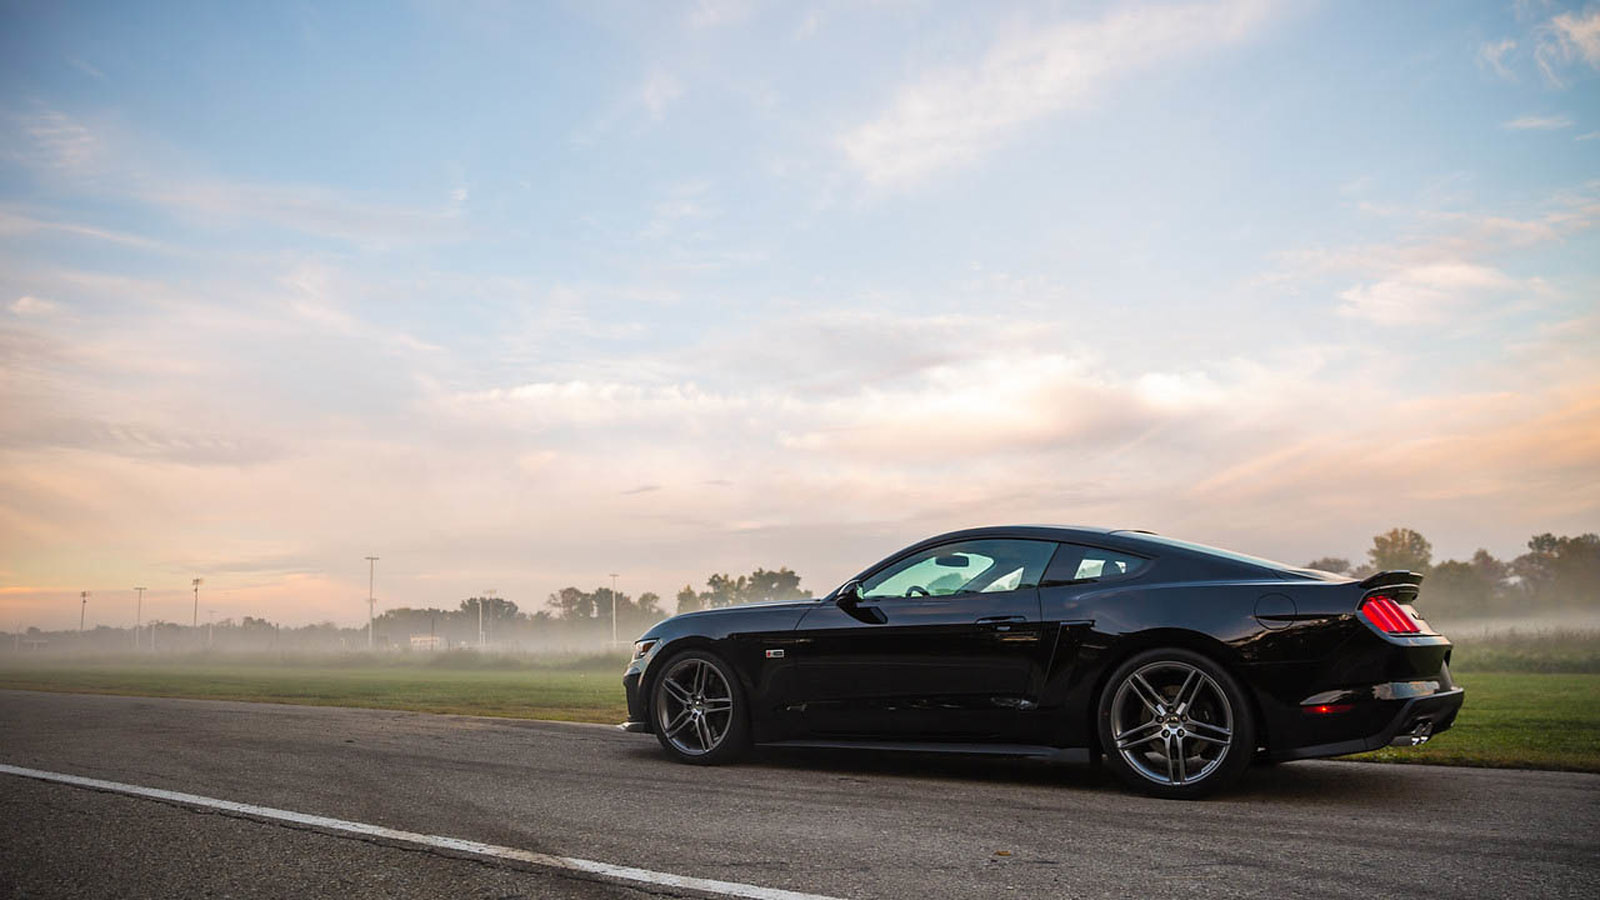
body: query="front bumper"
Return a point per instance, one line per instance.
(638, 721)
(1422, 715)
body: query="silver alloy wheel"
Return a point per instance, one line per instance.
(1172, 723)
(694, 707)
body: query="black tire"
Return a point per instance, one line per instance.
(698, 709)
(1185, 727)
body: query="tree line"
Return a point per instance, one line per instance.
(572, 613)
(1556, 573)
(571, 618)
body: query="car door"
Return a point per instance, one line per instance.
(944, 643)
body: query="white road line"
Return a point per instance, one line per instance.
(458, 845)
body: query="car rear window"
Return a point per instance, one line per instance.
(1078, 563)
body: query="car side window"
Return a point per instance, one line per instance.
(1076, 564)
(962, 567)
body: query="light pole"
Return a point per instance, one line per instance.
(613, 609)
(483, 635)
(82, 610)
(211, 624)
(138, 617)
(372, 602)
(197, 582)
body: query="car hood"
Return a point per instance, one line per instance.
(702, 620)
(759, 605)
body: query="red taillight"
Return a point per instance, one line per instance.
(1323, 709)
(1383, 612)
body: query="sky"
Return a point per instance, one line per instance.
(519, 295)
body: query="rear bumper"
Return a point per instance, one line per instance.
(1428, 714)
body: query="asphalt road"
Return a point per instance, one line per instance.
(840, 824)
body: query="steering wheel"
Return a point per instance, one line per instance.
(917, 589)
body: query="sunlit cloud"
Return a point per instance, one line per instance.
(660, 91)
(1537, 123)
(953, 116)
(1424, 294)
(1567, 39)
(14, 224)
(32, 306)
(717, 13)
(444, 332)
(1492, 56)
(61, 142)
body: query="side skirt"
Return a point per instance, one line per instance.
(1030, 751)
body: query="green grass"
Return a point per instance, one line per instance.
(577, 691)
(1511, 720)
(1518, 721)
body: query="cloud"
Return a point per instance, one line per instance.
(33, 306)
(660, 91)
(1475, 453)
(1492, 55)
(62, 143)
(1424, 293)
(306, 209)
(85, 67)
(951, 117)
(13, 223)
(1447, 266)
(1537, 123)
(681, 202)
(1568, 38)
(717, 13)
(112, 164)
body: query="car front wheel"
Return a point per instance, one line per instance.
(698, 708)
(1175, 724)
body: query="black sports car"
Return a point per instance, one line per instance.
(1179, 663)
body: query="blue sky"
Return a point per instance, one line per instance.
(518, 295)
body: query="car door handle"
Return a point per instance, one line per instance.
(1002, 623)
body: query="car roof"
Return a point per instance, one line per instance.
(1047, 532)
(1135, 540)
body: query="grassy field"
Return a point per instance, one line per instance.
(584, 690)
(1517, 720)
(1556, 651)
(1511, 719)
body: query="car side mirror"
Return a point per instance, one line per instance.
(849, 594)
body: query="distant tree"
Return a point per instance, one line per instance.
(632, 615)
(1491, 570)
(1456, 588)
(723, 591)
(1335, 564)
(1560, 571)
(571, 604)
(496, 610)
(1401, 548)
(688, 600)
(782, 584)
(603, 606)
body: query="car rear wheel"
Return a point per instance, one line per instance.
(1175, 724)
(699, 711)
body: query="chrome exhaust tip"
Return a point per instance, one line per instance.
(1416, 737)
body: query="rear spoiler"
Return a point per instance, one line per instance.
(1391, 577)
